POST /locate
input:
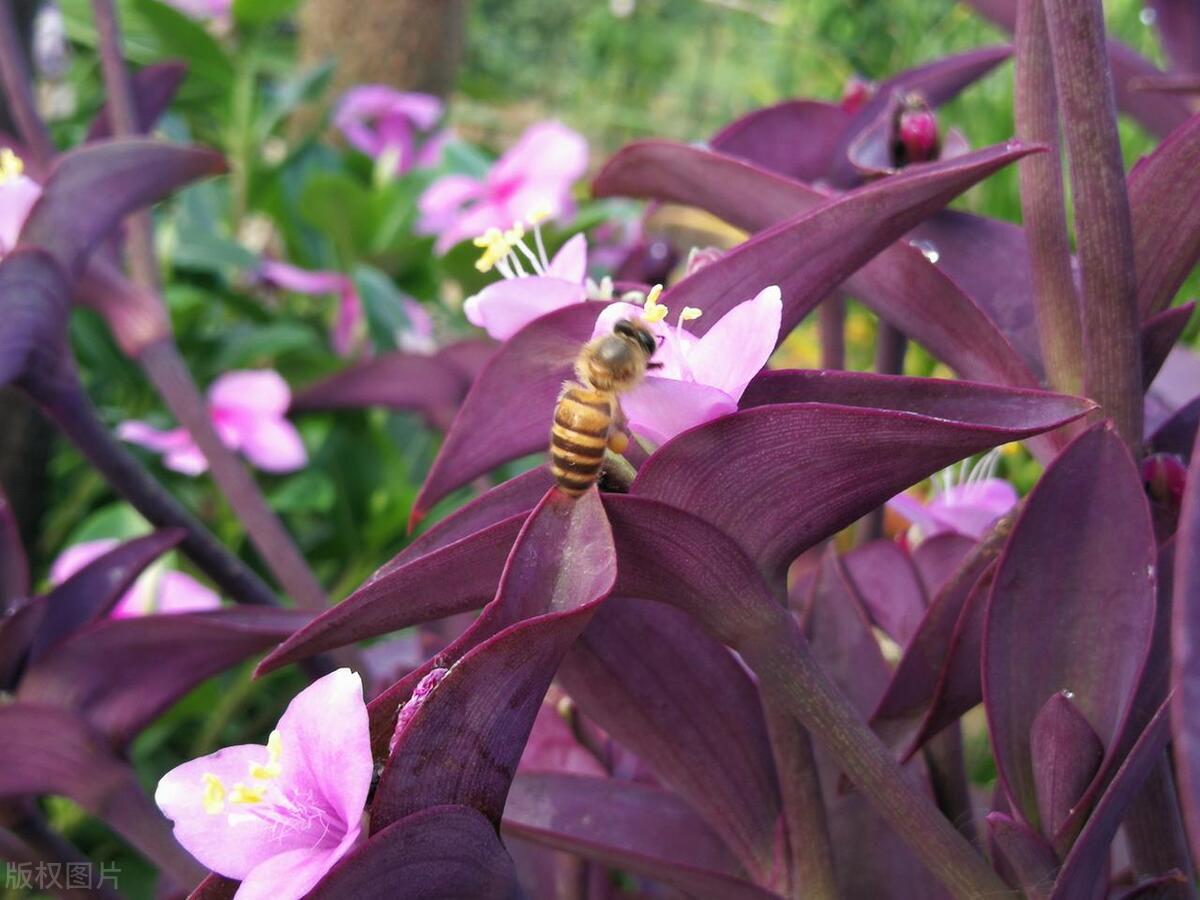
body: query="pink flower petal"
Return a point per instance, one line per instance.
(325, 735)
(17, 196)
(272, 444)
(570, 262)
(187, 460)
(431, 153)
(737, 347)
(443, 200)
(259, 391)
(302, 281)
(181, 593)
(505, 307)
(75, 557)
(233, 851)
(202, 9)
(291, 875)
(972, 508)
(548, 153)
(471, 222)
(350, 327)
(917, 513)
(660, 408)
(146, 435)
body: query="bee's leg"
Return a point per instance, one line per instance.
(654, 365)
(618, 440)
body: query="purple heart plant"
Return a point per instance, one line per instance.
(803, 633)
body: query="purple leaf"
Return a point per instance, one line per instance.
(456, 578)
(433, 386)
(939, 557)
(1026, 852)
(1070, 591)
(14, 568)
(796, 138)
(1077, 879)
(1164, 202)
(435, 853)
(508, 410)
(120, 674)
(1185, 655)
(688, 710)
(888, 584)
(1108, 299)
(90, 189)
(1066, 756)
(52, 751)
(93, 591)
(830, 447)
(33, 300)
(1159, 115)
(628, 826)
(812, 253)
(1160, 333)
(463, 743)
(1178, 433)
(900, 285)
(154, 87)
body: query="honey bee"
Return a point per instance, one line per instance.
(587, 410)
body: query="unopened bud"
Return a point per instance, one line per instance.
(916, 138)
(856, 93)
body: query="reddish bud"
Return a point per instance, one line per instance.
(856, 93)
(916, 132)
(1165, 477)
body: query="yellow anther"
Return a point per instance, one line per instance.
(273, 767)
(537, 216)
(690, 313)
(11, 165)
(246, 796)
(514, 234)
(214, 794)
(488, 238)
(653, 311)
(493, 254)
(1012, 448)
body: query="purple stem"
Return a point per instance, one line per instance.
(70, 409)
(791, 679)
(831, 321)
(948, 772)
(123, 120)
(1154, 827)
(18, 91)
(809, 848)
(1043, 204)
(166, 368)
(1112, 350)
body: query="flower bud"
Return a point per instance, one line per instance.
(856, 93)
(916, 132)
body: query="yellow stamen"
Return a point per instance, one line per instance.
(11, 165)
(653, 311)
(488, 238)
(514, 234)
(537, 216)
(273, 767)
(246, 796)
(214, 794)
(689, 313)
(1012, 448)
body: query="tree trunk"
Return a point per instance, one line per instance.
(411, 45)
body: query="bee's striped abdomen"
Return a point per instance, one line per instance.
(578, 437)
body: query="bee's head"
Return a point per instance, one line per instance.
(634, 331)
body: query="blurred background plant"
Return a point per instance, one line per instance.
(614, 71)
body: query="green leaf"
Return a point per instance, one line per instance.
(384, 306)
(310, 491)
(340, 207)
(291, 92)
(258, 11)
(181, 37)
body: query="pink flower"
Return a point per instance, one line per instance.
(249, 410)
(18, 193)
(968, 501)
(535, 174)
(381, 122)
(505, 307)
(278, 817)
(203, 9)
(701, 378)
(156, 591)
(350, 326)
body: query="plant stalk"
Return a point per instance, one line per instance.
(1043, 202)
(18, 91)
(1112, 373)
(68, 406)
(123, 118)
(831, 322)
(1154, 827)
(167, 370)
(811, 874)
